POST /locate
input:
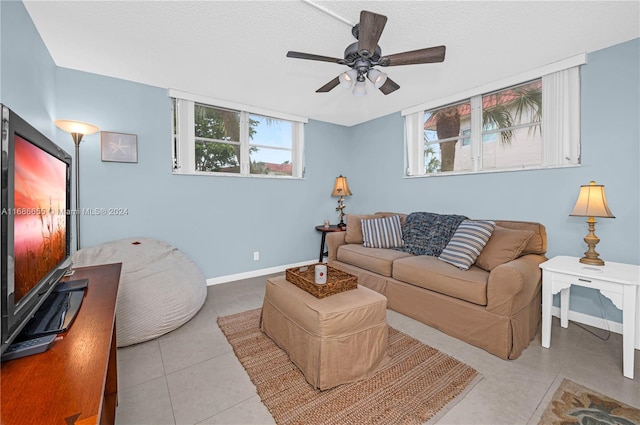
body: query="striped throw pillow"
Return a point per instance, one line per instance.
(384, 232)
(467, 242)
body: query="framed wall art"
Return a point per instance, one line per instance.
(118, 147)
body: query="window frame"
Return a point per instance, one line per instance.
(558, 150)
(184, 139)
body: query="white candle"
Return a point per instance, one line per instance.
(321, 274)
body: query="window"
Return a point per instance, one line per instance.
(500, 128)
(513, 117)
(466, 141)
(219, 138)
(271, 146)
(441, 136)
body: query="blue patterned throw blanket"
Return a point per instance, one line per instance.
(425, 233)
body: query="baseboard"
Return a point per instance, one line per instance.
(596, 322)
(255, 273)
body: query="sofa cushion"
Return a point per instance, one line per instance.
(383, 232)
(427, 233)
(376, 260)
(467, 242)
(354, 228)
(538, 242)
(403, 216)
(503, 246)
(430, 273)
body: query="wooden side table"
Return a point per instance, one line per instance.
(616, 281)
(325, 230)
(76, 380)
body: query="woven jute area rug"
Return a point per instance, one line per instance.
(418, 382)
(574, 404)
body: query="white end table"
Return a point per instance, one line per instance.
(616, 281)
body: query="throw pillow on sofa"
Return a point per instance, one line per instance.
(354, 228)
(425, 233)
(467, 242)
(503, 246)
(383, 232)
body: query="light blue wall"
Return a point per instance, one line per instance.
(610, 156)
(27, 72)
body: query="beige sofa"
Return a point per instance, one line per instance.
(494, 305)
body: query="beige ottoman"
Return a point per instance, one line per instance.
(334, 340)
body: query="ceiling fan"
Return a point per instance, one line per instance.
(363, 55)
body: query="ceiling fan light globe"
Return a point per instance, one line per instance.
(345, 81)
(360, 89)
(377, 77)
(347, 78)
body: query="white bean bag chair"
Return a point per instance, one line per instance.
(160, 288)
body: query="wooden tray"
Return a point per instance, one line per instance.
(337, 280)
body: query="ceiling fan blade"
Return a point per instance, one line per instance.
(428, 55)
(371, 26)
(389, 86)
(299, 55)
(329, 86)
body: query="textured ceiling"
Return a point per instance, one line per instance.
(235, 50)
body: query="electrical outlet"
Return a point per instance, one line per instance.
(256, 255)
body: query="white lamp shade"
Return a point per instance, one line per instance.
(347, 78)
(378, 78)
(360, 89)
(76, 127)
(592, 202)
(341, 187)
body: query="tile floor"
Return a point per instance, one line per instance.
(191, 376)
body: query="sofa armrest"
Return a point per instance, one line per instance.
(333, 241)
(513, 285)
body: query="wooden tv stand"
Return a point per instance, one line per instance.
(76, 380)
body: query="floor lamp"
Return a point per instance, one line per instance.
(78, 130)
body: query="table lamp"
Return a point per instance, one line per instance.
(591, 203)
(341, 189)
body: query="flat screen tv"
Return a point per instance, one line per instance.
(35, 220)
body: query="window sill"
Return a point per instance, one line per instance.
(258, 176)
(510, 170)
